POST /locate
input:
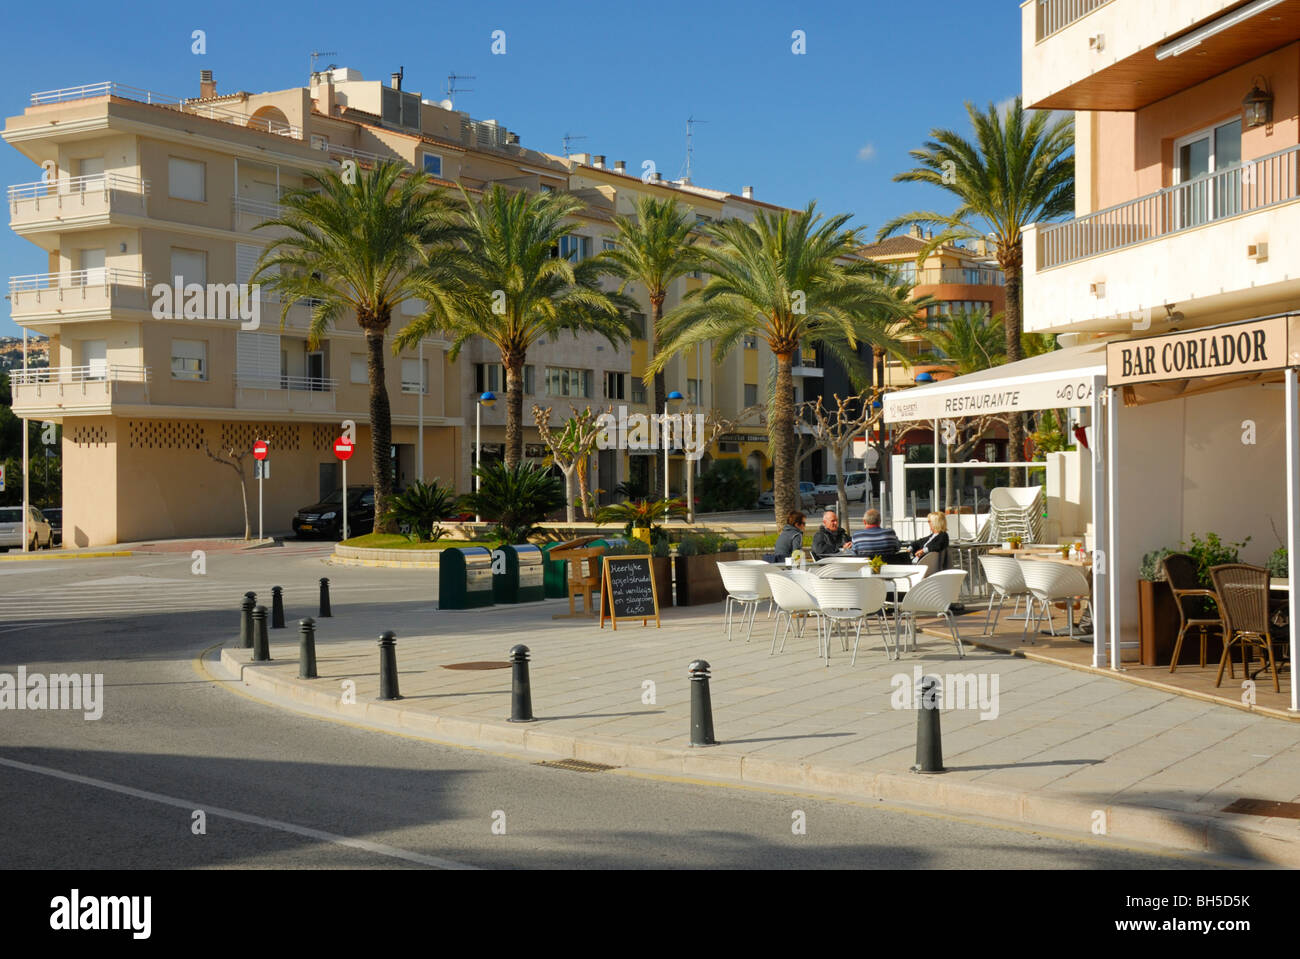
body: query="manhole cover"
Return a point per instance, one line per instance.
(576, 765)
(484, 665)
(1265, 807)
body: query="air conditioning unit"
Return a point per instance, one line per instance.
(1097, 289)
(1257, 252)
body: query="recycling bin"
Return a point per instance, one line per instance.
(517, 574)
(464, 578)
(554, 582)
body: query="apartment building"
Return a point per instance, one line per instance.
(140, 192)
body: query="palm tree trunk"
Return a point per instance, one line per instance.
(381, 426)
(660, 394)
(514, 366)
(1016, 440)
(784, 476)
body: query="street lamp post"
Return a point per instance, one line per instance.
(484, 399)
(674, 397)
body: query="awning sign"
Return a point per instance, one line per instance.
(1220, 351)
(1063, 390)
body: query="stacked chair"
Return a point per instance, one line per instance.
(1014, 512)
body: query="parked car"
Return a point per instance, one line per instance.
(54, 516)
(325, 519)
(13, 531)
(767, 498)
(855, 487)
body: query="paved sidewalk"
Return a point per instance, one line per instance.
(1066, 749)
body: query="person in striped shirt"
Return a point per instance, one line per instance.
(874, 540)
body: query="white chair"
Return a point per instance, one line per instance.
(746, 587)
(832, 568)
(1048, 583)
(792, 598)
(931, 596)
(1005, 580)
(838, 600)
(871, 600)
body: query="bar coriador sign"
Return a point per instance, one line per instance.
(1218, 351)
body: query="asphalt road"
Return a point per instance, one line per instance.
(281, 790)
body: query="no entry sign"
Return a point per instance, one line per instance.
(343, 448)
(260, 450)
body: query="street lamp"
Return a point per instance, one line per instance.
(484, 399)
(673, 397)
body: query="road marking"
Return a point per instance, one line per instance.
(365, 845)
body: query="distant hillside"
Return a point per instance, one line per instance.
(11, 352)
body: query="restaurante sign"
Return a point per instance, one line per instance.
(1218, 351)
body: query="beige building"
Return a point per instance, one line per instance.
(137, 190)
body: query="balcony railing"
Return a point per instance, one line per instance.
(79, 186)
(260, 208)
(78, 279)
(361, 155)
(1252, 186)
(969, 276)
(1055, 15)
(110, 88)
(94, 373)
(304, 384)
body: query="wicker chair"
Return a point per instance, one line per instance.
(1243, 604)
(1185, 584)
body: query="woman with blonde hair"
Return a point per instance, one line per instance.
(937, 541)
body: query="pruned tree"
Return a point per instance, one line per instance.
(834, 430)
(237, 459)
(571, 446)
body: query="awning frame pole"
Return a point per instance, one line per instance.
(1101, 541)
(1293, 519)
(1112, 518)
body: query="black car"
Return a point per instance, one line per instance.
(54, 517)
(325, 519)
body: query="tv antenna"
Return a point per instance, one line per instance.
(452, 89)
(568, 139)
(690, 148)
(317, 54)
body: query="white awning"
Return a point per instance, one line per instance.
(1053, 380)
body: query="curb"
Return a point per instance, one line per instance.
(52, 555)
(1205, 835)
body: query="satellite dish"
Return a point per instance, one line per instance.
(446, 104)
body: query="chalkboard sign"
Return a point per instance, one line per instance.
(628, 590)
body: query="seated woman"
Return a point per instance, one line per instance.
(791, 537)
(936, 542)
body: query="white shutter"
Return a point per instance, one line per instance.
(185, 179)
(246, 256)
(94, 354)
(360, 371)
(411, 379)
(257, 360)
(92, 262)
(191, 266)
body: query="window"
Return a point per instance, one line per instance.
(1200, 161)
(566, 382)
(751, 394)
(400, 108)
(638, 391)
(636, 321)
(185, 179)
(257, 360)
(693, 392)
(433, 164)
(607, 244)
(360, 370)
(575, 247)
(751, 342)
(94, 356)
(615, 385)
(191, 266)
(949, 307)
(547, 188)
(319, 142)
(415, 379)
(189, 360)
(906, 272)
(491, 378)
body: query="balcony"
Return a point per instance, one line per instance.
(1207, 238)
(57, 295)
(76, 201)
(1053, 16)
(247, 214)
(78, 389)
(121, 91)
(307, 394)
(805, 364)
(963, 276)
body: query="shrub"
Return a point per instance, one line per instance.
(516, 500)
(422, 507)
(1212, 551)
(1277, 563)
(1150, 569)
(727, 485)
(705, 543)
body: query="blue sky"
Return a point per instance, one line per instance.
(833, 124)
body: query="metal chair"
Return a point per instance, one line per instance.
(1243, 603)
(1185, 584)
(932, 595)
(793, 598)
(1049, 583)
(746, 587)
(1005, 580)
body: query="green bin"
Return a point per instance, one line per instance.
(464, 578)
(554, 582)
(517, 574)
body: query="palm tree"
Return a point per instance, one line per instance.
(515, 290)
(969, 340)
(1019, 171)
(364, 249)
(654, 248)
(790, 277)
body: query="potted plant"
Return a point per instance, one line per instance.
(877, 564)
(698, 579)
(1157, 613)
(639, 517)
(1016, 540)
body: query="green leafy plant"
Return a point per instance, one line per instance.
(516, 498)
(632, 489)
(1016, 541)
(1277, 563)
(625, 547)
(727, 485)
(660, 549)
(422, 507)
(1210, 552)
(641, 514)
(877, 563)
(705, 543)
(1150, 568)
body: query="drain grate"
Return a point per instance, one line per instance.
(482, 665)
(576, 765)
(1265, 807)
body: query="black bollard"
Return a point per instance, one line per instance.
(277, 608)
(387, 665)
(325, 597)
(701, 705)
(521, 691)
(307, 648)
(261, 645)
(246, 623)
(929, 743)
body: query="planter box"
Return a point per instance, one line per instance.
(698, 579)
(663, 573)
(1158, 623)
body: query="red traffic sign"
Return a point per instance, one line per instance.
(260, 450)
(343, 448)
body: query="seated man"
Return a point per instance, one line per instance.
(874, 540)
(829, 539)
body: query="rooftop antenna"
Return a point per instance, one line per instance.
(317, 54)
(570, 138)
(690, 148)
(452, 89)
